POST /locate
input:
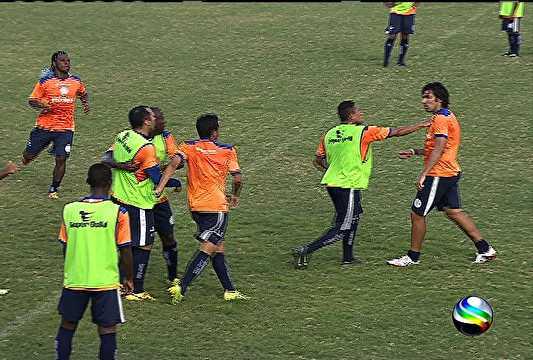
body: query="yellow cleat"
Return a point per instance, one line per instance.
(139, 296)
(235, 295)
(175, 293)
(53, 195)
(174, 282)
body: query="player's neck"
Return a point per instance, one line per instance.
(99, 192)
(61, 74)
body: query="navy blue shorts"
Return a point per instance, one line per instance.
(511, 25)
(163, 219)
(41, 138)
(442, 192)
(211, 226)
(106, 306)
(142, 225)
(401, 24)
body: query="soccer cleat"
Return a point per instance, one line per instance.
(402, 261)
(235, 295)
(139, 296)
(401, 64)
(513, 55)
(174, 282)
(301, 258)
(53, 195)
(175, 293)
(490, 254)
(354, 261)
(506, 53)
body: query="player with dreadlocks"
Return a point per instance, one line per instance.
(54, 96)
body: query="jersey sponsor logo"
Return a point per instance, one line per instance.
(123, 141)
(340, 138)
(63, 90)
(86, 221)
(206, 151)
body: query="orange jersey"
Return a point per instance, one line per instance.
(444, 124)
(145, 159)
(170, 144)
(123, 235)
(208, 164)
(370, 134)
(61, 96)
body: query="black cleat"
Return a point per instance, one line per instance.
(354, 261)
(301, 258)
(401, 64)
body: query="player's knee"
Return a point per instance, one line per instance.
(168, 240)
(220, 248)
(417, 217)
(104, 330)
(27, 158)
(453, 214)
(69, 325)
(146, 247)
(208, 247)
(61, 160)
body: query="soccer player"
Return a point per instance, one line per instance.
(401, 20)
(511, 12)
(438, 183)
(165, 148)
(92, 229)
(135, 190)
(345, 154)
(9, 169)
(208, 164)
(54, 96)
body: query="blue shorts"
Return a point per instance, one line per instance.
(142, 226)
(163, 219)
(401, 24)
(211, 226)
(511, 25)
(442, 192)
(106, 306)
(41, 138)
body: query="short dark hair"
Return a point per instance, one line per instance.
(439, 91)
(99, 175)
(345, 108)
(206, 124)
(54, 58)
(137, 116)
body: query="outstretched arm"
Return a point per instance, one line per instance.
(107, 159)
(406, 130)
(167, 174)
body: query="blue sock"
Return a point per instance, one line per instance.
(195, 267)
(170, 253)
(389, 45)
(482, 246)
(221, 269)
(54, 187)
(108, 346)
(404, 45)
(64, 343)
(414, 255)
(140, 265)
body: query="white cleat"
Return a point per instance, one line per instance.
(402, 261)
(490, 254)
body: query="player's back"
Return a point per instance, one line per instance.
(208, 164)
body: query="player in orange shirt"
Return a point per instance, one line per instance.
(208, 164)
(438, 183)
(55, 96)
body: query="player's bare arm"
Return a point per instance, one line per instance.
(40, 105)
(406, 130)
(84, 98)
(440, 144)
(126, 265)
(171, 168)
(406, 154)
(320, 163)
(235, 190)
(107, 159)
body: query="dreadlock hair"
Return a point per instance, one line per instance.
(54, 58)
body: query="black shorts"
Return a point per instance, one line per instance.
(210, 226)
(348, 207)
(40, 138)
(106, 306)
(163, 219)
(401, 24)
(142, 225)
(442, 192)
(511, 25)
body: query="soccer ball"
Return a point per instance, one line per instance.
(472, 316)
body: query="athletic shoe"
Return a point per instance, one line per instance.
(139, 296)
(513, 55)
(506, 53)
(490, 254)
(175, 294)
(174, 282)
(301, 259)
(53, 195)
(354, 261)
(401, 64)
(235, 295)
(402, 261)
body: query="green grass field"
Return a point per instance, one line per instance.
(275, 73)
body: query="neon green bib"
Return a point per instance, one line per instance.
(125, 186)
(402, 7)
(91, 259)
(161, 153)
(346, 168)
(506, 9)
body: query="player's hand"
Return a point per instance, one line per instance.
(177, 189)
(406, 154)
(11, 168)
(127, 286)
(128, 166)
(426, 123)
(420, 181)
(233, 201)
(86, 107)
(45, 107)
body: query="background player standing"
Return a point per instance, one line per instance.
(91, 231)
(438, 183)
(208, 164)
(401, 20)
(55, 97)
(511, 12)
